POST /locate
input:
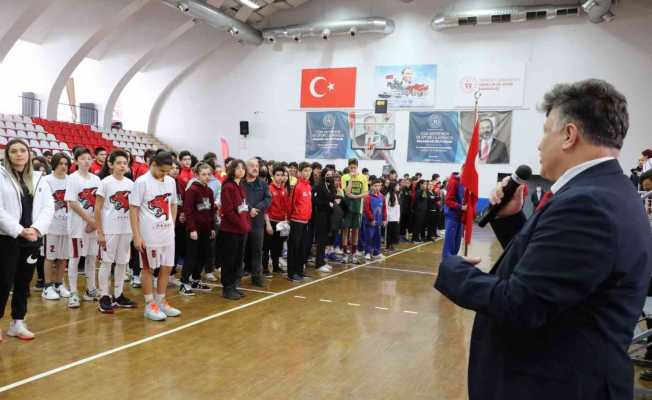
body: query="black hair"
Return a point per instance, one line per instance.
(99, 150)
(163, 158)
(391, 190)
(353, 161)
(293, 164)
(47, 153)
(210, 156)
(304, 165)
(80, 151)
(42, 162)
(184, 153)
(365, 170)
(56, 159)
(148, 155)
(316, 165)
(435, 177)
(645, 176)
(230, 171)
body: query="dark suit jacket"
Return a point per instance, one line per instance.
(556, 314)
(498, 153)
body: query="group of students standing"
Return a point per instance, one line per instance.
(147, 220)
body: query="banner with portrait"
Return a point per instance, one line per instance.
(327, 134)
(406, 86)
(435, 137)
(495, 135)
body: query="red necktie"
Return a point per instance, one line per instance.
(485, 151)
(546, 197)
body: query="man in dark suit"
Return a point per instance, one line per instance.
(537, 196)
(492, 150)
(556, 313)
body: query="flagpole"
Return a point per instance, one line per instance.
(477, 96)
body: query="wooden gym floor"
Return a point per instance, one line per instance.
(376, 331)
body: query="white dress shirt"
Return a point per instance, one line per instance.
(576, 170)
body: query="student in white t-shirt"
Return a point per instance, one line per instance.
(81, 188)
(153, 212)
(114, 231)
(56, 245)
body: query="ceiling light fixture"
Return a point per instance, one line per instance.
(250, 4)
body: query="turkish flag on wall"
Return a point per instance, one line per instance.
(328, 88)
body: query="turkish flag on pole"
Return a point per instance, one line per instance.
(470, 180)
(328, 88)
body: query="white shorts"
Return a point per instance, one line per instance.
(56, 247)
(85, 246)
(155, 257)
(118, 249)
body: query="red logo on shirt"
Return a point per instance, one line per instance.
(59, 202)
(87, 198)
(120, 200)
(159, 206)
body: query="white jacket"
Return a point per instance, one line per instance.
(11, 207)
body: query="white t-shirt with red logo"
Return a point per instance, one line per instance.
(155, 199)
(115, 211)
(59, 224)
(82, 190)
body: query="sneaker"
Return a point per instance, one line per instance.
(231, 294)
(135, 282)
(200, 286)
(105, 305)
(339, 251)
(62, 290)
(367, 257)
(40, 285)
(17, 328)
(50, 293)
(282, 262)
(296, 278)
(325, 268)
(123, 302)
(379, 257)
(240, 292)
(154, 313)
(128, 274)
(168, 310)
(91, 295)
(173, 281)
(185, 290)
(268, 273)
(210, 277)
(73, 300)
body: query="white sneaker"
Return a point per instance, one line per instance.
(168, 310)
(359, 254)
(154, 313)
(50, 293)
(210, 277)
(135, 282)
(73, 300)
(17, 328)
(379, 257)
(325, 268)
(367, 257)
(63, 292)
(282, 262)
(91, 295)
(173, 282)
(339, 251)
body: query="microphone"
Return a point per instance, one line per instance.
(522, 174)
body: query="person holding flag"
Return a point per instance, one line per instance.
(469, 180)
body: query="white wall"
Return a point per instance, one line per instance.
(262, 84)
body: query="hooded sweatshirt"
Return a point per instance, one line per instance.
(235, 210)
(199, 208)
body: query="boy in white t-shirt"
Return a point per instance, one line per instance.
(114, 231)
(153, 213)
(81, 188)
(56, 245)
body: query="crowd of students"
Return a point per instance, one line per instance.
(143, 221)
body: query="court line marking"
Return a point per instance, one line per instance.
(250, 290)
(382, 308)
(402, 270)
(147, 339)
(354, 304)
(410, 312)
(300, 297)
(325, 301)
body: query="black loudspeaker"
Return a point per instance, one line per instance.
(381, 106)
(244, 128)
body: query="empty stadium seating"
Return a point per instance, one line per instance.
(43, 134)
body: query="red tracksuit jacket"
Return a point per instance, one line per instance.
(301, 202)
(278, 210)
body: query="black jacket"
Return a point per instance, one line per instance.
(258, 196)
(556, 314)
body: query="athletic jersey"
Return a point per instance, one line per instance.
(359, 185)
(115, 211)
(154, 199)
(81, 190)
(59, 224)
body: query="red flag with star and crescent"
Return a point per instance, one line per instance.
(469, 180)
(328, 88)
